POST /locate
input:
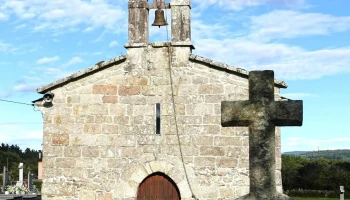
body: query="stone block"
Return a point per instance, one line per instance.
(117, 109)
(127, 152)
(226, 192)
(140, 81)
(104, 89)
(121, 120)
(209, 119)
(109, 129)
(108, 151)
(102, 119)
(211, 89)
(230, 141)
(90, 152)
(238, 152)
(148, 90)
(204, 161)
(212, 151)
(203, 109)
(143, 110)
(128, 90)
(73, 99)
(107, 196)
(188, 90)
(84, 163)
(203, 140)
(214, 98)
(60, 139)
(209, 192)
(83, 119)
(134, 100)
(202, 129)
(189, 119)
(92, 128)
(200, 80)
(243, 163)
(226, 162)
(109, 99)
(72, 151)
(65, 162)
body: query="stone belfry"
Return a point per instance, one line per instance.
(139, 22)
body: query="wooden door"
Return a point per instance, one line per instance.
(158, 186)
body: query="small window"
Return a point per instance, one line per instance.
(158, 119)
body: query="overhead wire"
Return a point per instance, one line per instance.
(17, 102)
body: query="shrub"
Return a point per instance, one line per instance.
(315, 193)
(38, 184)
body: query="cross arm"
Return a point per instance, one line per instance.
(235, 113)
(286, 113)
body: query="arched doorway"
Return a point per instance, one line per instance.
(158, 186)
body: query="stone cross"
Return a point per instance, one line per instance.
(261, 114)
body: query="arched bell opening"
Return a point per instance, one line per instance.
(158, 186)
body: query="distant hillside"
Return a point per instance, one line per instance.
(295, 152)
(341, 154)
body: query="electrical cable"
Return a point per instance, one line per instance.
(174, 106)
(16, 102)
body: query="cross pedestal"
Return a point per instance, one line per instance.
(261, 114)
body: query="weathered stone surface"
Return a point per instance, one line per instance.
(261, 113)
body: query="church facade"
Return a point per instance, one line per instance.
(148, 124)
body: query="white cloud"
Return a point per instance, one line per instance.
(290, 24)
(7, 48)
(3, 17)
(113, 43)
(4, 94)
(47, 60)
(252, 48)
(23, 137)
(241, 4)
(62, 16)
(73, 61)
(23, 87)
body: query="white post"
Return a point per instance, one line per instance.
(20, 181)
(342, 192)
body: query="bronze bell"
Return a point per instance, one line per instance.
(159, 18)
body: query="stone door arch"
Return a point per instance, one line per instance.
(158, 186)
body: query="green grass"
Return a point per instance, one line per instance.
(303, 198)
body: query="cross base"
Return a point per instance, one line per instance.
(277, 196)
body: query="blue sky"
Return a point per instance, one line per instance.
(306, 43)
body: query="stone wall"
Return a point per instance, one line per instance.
(99, 135)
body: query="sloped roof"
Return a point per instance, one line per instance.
(117, 60)
(229, 69)
(97, 67)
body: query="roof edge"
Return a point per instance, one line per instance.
(229, 68)
(97, 67)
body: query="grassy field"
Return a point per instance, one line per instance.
(302, 198)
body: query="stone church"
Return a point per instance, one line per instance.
(147, 125)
